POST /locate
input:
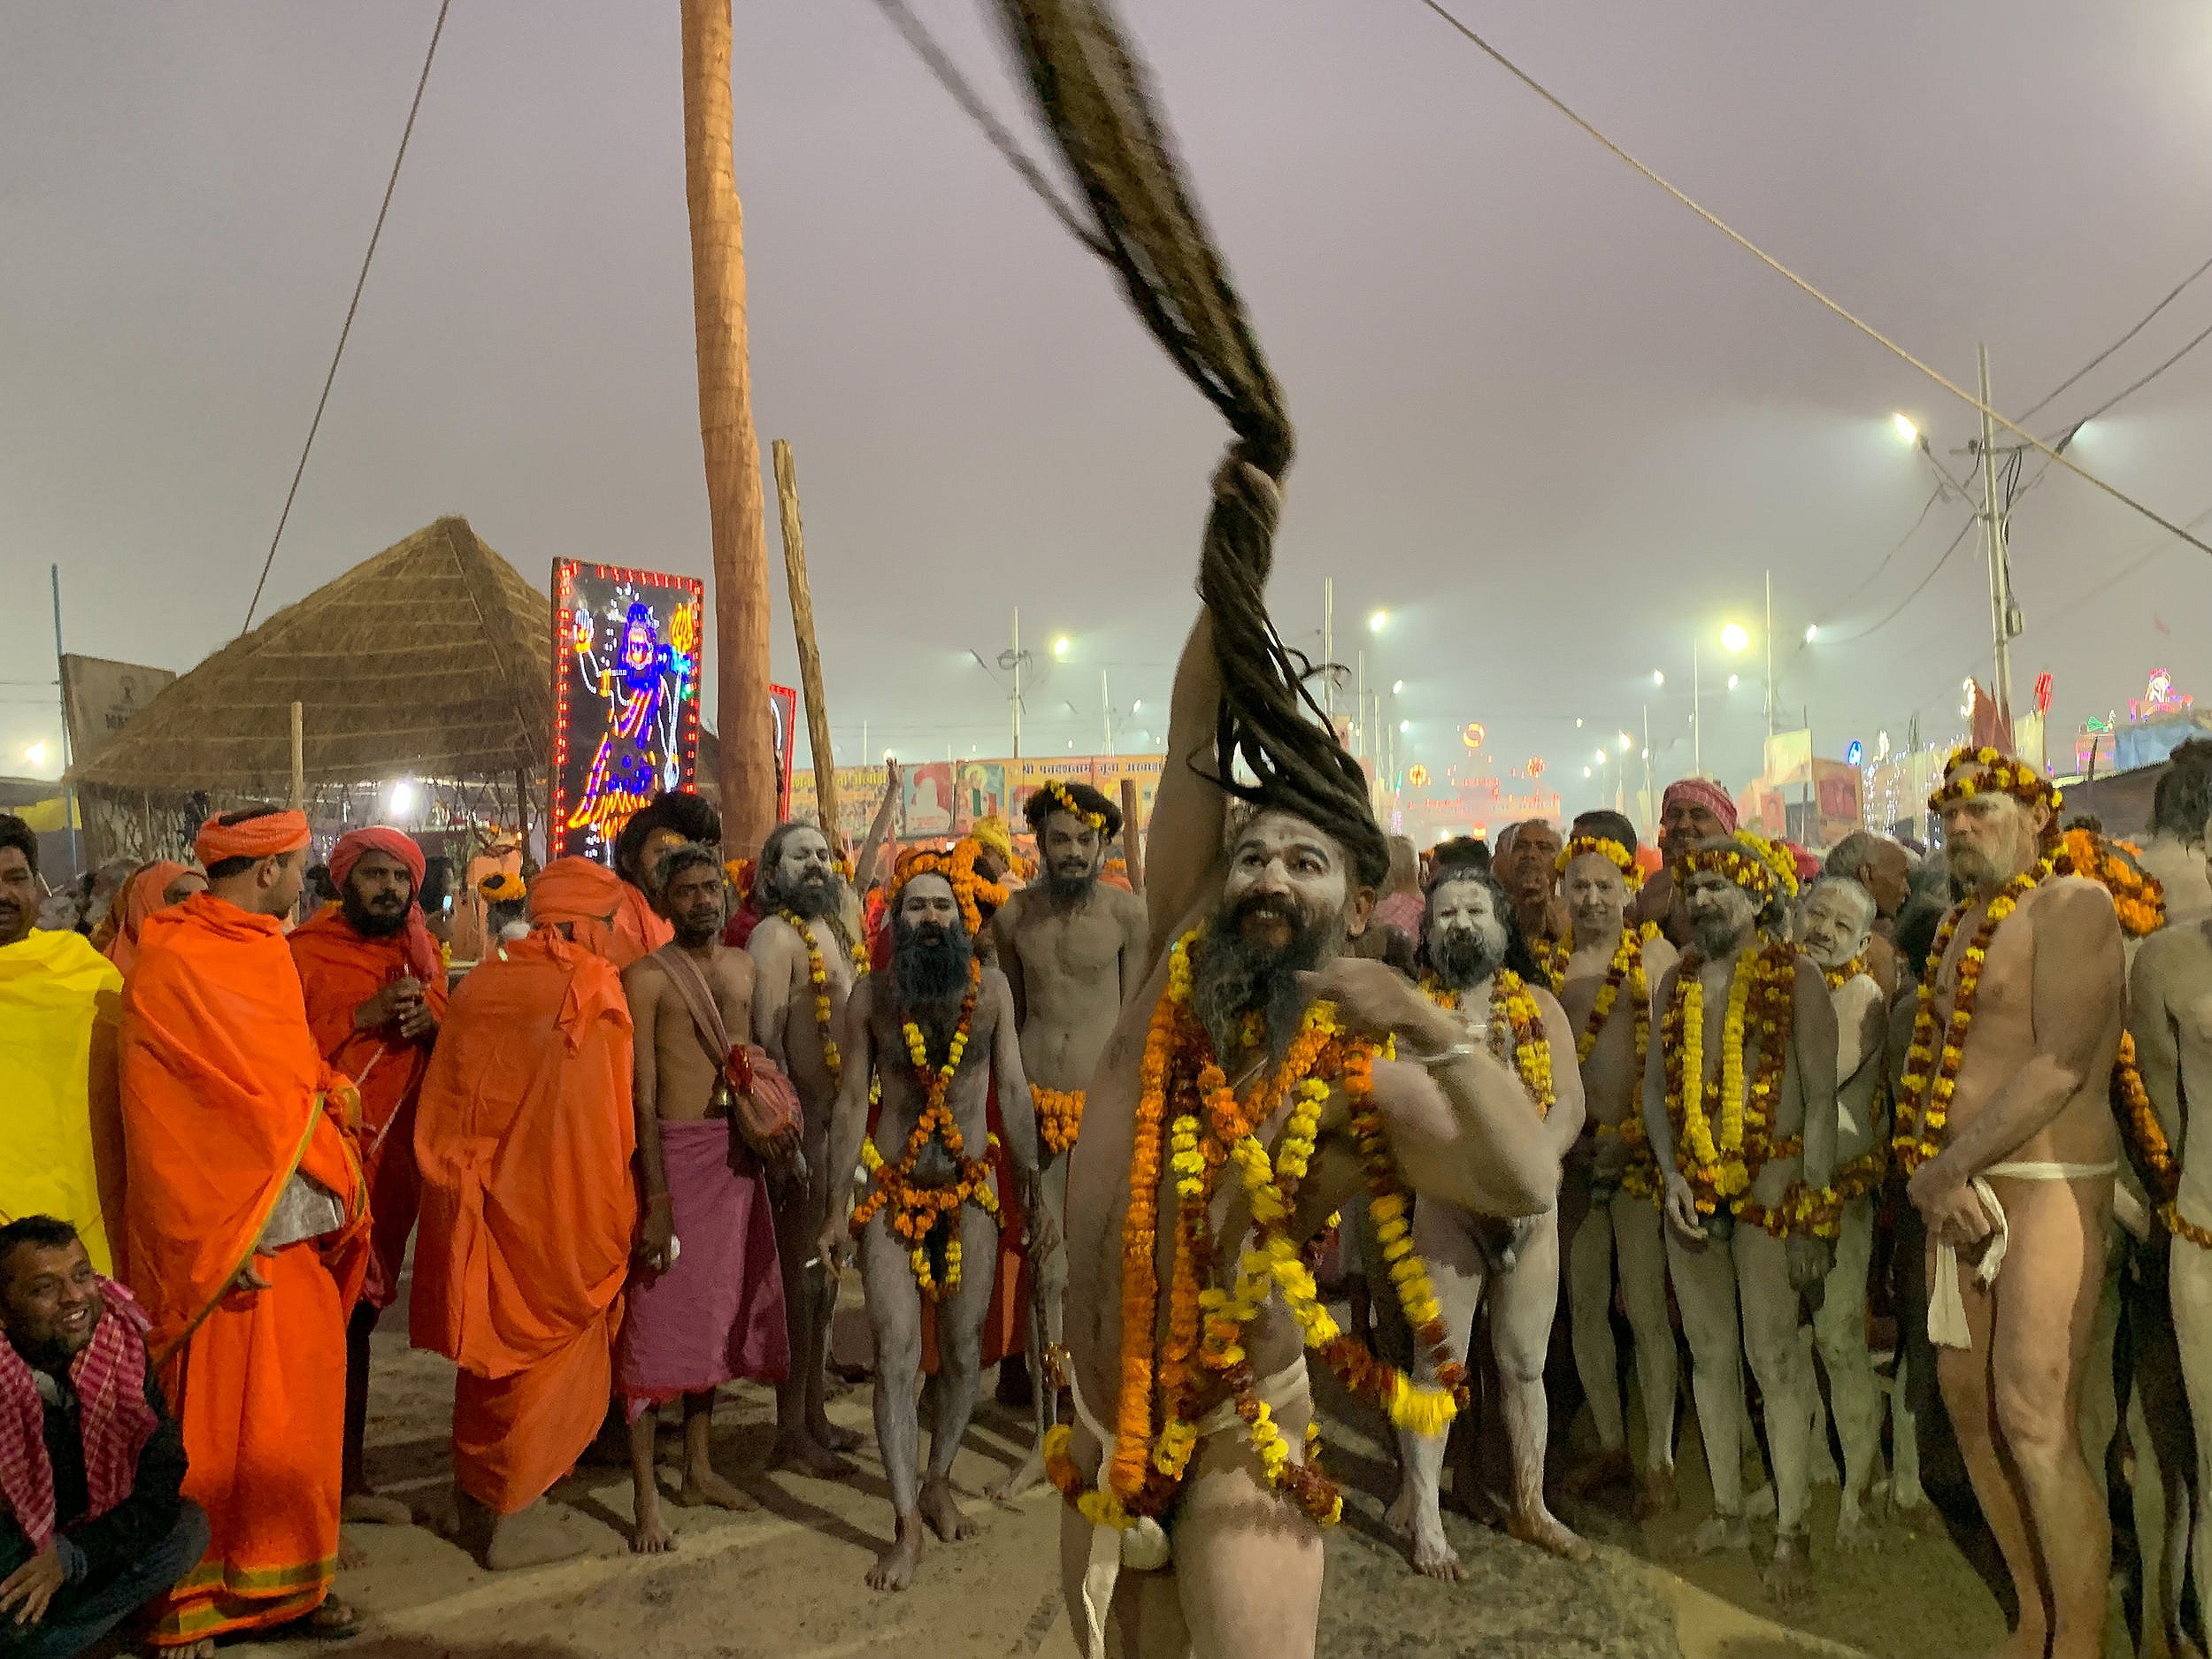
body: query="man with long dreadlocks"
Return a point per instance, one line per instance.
(1073, 950)
(1610, 974)
(2004, 1121)
(931, 1031)
(1478, 965)
(1739, 1104)
(802, 967)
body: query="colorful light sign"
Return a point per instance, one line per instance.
(1535, 767)
(1417, 776)
(1471, 735)
(1853, 752)
(2043, 693)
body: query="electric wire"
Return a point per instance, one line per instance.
(1850, 638)
(2138, 386)
(353, 306)
(2116, 345)
(1783, 271)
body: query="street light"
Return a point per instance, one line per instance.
(1732, 682)
(1627, 742)
(1734, 637)
(1405, 726)
(1060, 646)
(1376, 621)
(1658, 677)
(1397, 686)
(1812, 632)
(35, 754)
(1601, 758)
(1904, 426)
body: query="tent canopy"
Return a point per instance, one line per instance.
(433, 658)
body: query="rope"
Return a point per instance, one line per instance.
(360, 282)
(1783, 271)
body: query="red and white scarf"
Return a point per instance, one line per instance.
(108, 1375)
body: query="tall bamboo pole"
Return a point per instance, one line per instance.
(725, 429)
(818, 727)
(1132, 835)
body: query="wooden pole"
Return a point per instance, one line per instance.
(725, 429)
(818, 728)
(1132, 835)
(299, 757)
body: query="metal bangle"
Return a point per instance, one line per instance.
(1452, 1056)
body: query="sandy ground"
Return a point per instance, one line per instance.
(787, 1580)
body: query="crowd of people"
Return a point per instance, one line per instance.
(626, 1156)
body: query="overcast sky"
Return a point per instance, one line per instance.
(1547, 418)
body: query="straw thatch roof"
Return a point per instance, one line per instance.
(433, 659)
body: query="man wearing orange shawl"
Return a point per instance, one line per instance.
(656, 829)
(375, 993)
(246, 1229)
(524, 1137)
(152, 886)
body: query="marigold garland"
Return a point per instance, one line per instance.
(817, 972)
(1722, 1126)
(1512, 1009)
(1064, 800)
(924, 1215)
(1605, 848)
(2151, 1154)
(1838, 977)
(1059, 1116)
(1552, 955)
(1627, 965)
(2137, 897)
(1759, 866)
(2002, 774)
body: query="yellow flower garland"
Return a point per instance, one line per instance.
(1721, 1161)
(1064, 800)
(817, 970)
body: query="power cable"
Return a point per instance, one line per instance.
(2131, 390)
(1863, 632)
(1926, 507)
(2122, 340)
(1783, 271)
(353, 306)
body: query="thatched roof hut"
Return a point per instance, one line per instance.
(431, 659)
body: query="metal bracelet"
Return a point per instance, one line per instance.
(1452, 1056)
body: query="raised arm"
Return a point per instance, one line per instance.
(770, 949)
(848, 1117)
(878, 827)
(1182, 848)
(642, 984)
(2079, 982)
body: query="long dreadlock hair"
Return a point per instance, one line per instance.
(1097, 103)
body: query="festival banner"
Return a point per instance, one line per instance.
(100, 697)
(626, 698)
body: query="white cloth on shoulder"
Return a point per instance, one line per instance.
(1947, 1304)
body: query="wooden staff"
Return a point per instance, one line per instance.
(299, 757)
(1131, 835)
(817, 732)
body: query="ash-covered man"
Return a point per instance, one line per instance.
(1884, 869)
(1739, 1104)
(1478, 968)
(932, 1031)
(706, 1306)
(1608, 1000)
(1072, 948)
(1836, 925)
(2005, 1122)
(1693, 810)
(1527, 865)
(1246, 1071)
(802, 974)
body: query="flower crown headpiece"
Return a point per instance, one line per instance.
(1605, 848)
(1064, 800)
(2000, 774)
(1749, 860)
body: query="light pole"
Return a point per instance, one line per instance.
(1010, 662)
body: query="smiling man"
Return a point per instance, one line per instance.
(1693, 810)
(375, 992)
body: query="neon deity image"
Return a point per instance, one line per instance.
(626, 697)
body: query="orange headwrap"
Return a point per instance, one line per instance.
(584, 894)
(268, 836)
(422, 950)
(140, 897)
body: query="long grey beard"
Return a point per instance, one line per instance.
(1231, 979)
(1463, 958)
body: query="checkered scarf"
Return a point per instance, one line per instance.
(108, 1375)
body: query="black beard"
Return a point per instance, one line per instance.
(1716, 935)
(693, 938)
(1068, 890)
(1230, 977)
(1462, 957)
(368, 922)
(810, 897)
(930, 968)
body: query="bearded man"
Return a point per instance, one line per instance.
(931, 1032)
(2173, 851)
(246, 1222)
(1836, 927)
(802, 972)
(1073, 950)
(2005, 1124)
(1478, 968)
(524, 1136)
(60, 1129)
(1527, 864)
(1608, 1003)
(375, 992)
(1740, 1105)
(1693, 810)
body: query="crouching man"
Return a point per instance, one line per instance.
(91, 1462)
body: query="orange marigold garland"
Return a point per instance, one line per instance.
(1059, 1116)
(1552, 955)
(817, 975)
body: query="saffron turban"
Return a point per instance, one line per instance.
(269, 836)
(423, 955)
(1705, 793)
(583, 894)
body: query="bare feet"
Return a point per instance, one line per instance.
(1719, 1533)
(536, 1537)
(1596, 1474)
(333, 1621)
(1545, 1530)
(1032, 1471)
(351, 1556)
(371, 1510)
(704, 1486)
(1855, 1526)
(1422, 1527)
(837, 1438)
(652, 1536)
(895, 1568)
(943, 1512)
(203, 1648)
(804, 1454)
(1657, 1494)
(1789, 1576)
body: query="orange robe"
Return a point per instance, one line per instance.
(638, 929)
(524, 1136)
(339, 970)
(224, 1098)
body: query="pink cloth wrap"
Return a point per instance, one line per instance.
(422, 950)
(718, 1312)
(1707, 793)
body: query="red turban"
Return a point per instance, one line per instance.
(423, 954)
(269, 836)
(1708, 794)
(583, 894)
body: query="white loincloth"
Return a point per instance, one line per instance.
(1144, 1546)
(1947, 1305)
